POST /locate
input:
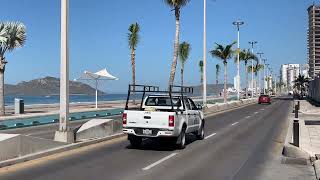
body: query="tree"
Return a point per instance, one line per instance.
(12, 36)
(246, 56)
(256, 69)
(217, 73)
(224, 54)
(184, 51)
(133, 40)
(201, 74)
(176, 6)
(301, 83)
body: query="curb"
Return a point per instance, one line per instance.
(57, 150)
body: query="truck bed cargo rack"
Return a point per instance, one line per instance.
(155, 89)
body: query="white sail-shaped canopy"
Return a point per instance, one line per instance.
(100, 75)
(97, 76)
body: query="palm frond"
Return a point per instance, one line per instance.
(133, 35)
(176, 3)
(184, 51)
(16, 35)
(217, 67)
(223, 53)
(201, 66)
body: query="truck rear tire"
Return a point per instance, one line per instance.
(135, 141)
(181, 140)
(200, 133)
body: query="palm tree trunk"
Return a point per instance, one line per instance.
(201, 82)
(2, 69)
(176, 46)
(217, 77)
(247, 80)
(181, 74)
(133, 66)
(225, 83)
(256, 79)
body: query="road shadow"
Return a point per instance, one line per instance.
(162, 144)
(284, 98)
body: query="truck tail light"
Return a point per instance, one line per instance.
(171, 121)
(124, 118)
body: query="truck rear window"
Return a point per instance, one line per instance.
(162, 101)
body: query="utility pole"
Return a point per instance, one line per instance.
(259, 60)
(238, 23)
(204, 54)
(264, 75)
(64, 134)
(252, 43)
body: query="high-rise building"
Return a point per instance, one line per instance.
(314, 40)
(304, 70)
(288, 73)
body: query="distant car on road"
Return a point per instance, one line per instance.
(264, 99)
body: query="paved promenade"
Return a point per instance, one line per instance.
(309, 118)
(50, 109)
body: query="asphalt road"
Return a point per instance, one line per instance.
(236, 144)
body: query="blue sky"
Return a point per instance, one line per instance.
(98, 36)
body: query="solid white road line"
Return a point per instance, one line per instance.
(160, 161)
(261, 109)
(210, 135)
(255, 112)
(234, 123)
(248, 117)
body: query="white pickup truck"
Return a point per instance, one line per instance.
(164, 116)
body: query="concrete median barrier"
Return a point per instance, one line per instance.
(16, 145)
(219, 107)
(98, 128)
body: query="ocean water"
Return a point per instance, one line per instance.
(52, 99)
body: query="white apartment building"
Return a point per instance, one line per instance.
(288, 73)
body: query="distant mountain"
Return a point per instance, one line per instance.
(211, 88)
(47, 86)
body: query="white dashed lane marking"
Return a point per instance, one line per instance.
(234, 123)
(160, 161)
(210, 135)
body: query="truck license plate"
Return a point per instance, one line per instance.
(147, 131)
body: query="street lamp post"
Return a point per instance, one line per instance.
(204, 54)
(252, 43)
(275, 83)
(259, 60)
(264, 75)
(64, 134)
(267, 77)
(238, 23)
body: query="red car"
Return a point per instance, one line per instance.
(264, 99)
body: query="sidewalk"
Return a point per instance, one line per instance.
(309, 122)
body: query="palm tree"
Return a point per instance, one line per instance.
(301, 83)
(133, 40)
(246, 56)
(12, 36)
(201, 71)
(268, 78)
(184, 51)
(176, 5)
(256, 69)
(224, 54)
(217, 73)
